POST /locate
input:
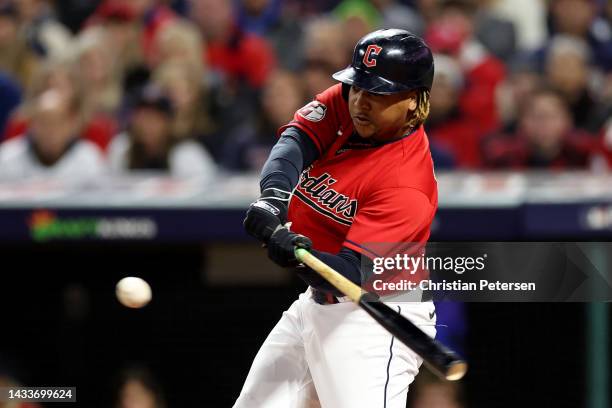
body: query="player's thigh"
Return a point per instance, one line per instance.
(279, 369)
(355, 362)
(279, 375)
(405, 363)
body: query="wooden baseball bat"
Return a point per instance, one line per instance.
(440, 359)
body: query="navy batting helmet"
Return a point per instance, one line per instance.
(389, 61)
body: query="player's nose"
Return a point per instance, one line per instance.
(361, 100)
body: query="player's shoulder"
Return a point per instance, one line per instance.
(332, 93)
(330, 99)
(409, 166)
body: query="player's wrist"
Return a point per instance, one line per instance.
(276, 194)
(267, 213)
(275, 201)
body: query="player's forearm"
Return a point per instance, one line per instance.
(292, 153)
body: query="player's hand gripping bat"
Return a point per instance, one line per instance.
(442, 361)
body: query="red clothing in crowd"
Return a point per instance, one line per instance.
(460, 137)
(514, 152)
(244, 56)
(478, 100)
(605, 144)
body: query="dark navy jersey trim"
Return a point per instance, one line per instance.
(364, 248)
(399, 310)
(320, 210)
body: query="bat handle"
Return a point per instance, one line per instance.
(340, 282)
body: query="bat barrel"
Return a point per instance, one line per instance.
(441, 360)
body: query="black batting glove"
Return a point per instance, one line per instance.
(282, 244)
(267, 213)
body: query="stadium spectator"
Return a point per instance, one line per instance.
(53, 74)
(124, 33)
(63, 76)
(449, 131)
(568, 71)
(247, 149)
(452, 33)
(179, 41)
(523, 79)
(238, 63)
(52, 145)
(325, 52)
(16, 59)
(148, 142)
(579, 18)
(214, 65)
(545, 138)
(278, 22)
(102, 93)
(150, 15)
(241, 58)
(44, 34)
(184, 85)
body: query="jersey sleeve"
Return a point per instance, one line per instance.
(389, 220)
(319, 119)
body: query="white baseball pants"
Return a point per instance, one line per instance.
(334, 356)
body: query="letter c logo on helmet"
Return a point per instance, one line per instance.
(369, 58)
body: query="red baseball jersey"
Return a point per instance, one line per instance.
(356, 194)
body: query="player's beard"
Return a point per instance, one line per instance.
(365, 130)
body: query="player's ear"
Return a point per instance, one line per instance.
(418, 108)
(411, 102)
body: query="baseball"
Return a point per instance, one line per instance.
(133, 292)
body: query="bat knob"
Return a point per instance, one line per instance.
(456, 370)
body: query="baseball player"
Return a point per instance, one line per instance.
(353, 167)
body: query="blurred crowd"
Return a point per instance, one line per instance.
(193, 87)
